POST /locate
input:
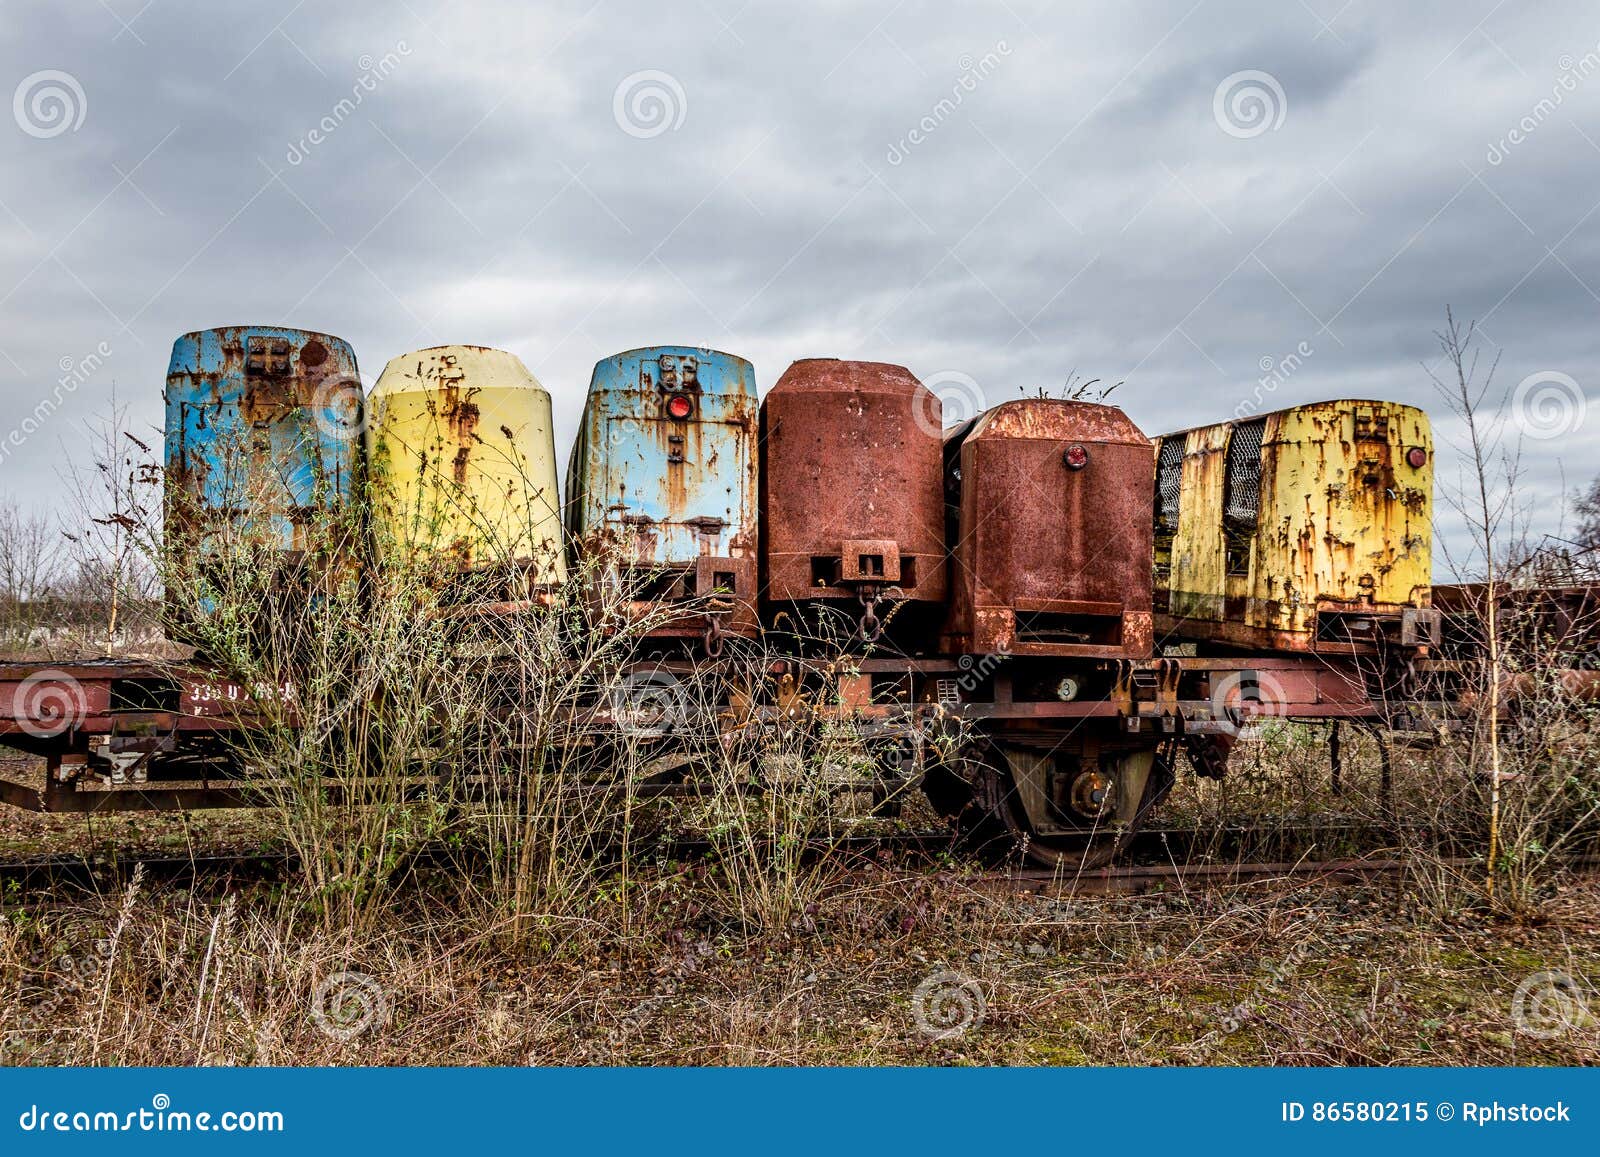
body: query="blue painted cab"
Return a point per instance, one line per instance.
(663, 476)
(263, 432)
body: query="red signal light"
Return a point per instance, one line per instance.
(1075, 456)
(1417, 456)
(679, 406)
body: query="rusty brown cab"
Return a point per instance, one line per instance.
(1048, 507)
(851, 494)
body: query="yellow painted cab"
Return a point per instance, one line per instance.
(1306, 529)
(462, 463)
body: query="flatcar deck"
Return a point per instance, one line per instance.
(150, 735)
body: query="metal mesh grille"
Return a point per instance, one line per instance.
(1169, 483)
(1242, 501)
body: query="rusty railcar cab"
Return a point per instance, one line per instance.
(1305, 529)
(1048, 505)
(262, 440)
(662, 484)
(851, 494)
(462, 466)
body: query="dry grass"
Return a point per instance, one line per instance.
(561, 936)
(1304, 975)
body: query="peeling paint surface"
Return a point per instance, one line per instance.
(667, 490)
(1343, 526)
(851, 491)
(461, 453)
(262, 429)
(1048, 557)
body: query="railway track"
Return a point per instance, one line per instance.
(1156, 860)
(1137, 879)
(99, 873)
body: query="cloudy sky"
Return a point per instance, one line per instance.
(1189, 197)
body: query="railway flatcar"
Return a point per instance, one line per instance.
(852, 502)
(662, 486)
(1048, 519)
(1047, 514)
(1553, 627)
(462, 468)
(1026, 694)
(1303, 530)
(262, 443)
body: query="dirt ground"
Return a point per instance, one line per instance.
(890, 966)
(24, 834)
(904, 963)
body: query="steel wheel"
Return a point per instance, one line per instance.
(1069, 814)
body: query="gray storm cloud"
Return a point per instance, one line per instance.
(1007, 192)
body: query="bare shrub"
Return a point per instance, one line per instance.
(31, 568)
(547, 738)
(111, 582)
